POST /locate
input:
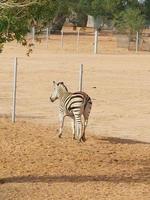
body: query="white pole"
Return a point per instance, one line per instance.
(62, 38)
(81, 78)
(78, 38)
(137, 41)
(47, 34)
(14, 91)
(33, 34)
(96, 41)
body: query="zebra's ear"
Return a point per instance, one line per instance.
(60, 83)
(54, 82)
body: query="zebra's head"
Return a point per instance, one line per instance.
(58, 90)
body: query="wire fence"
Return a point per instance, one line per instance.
(113, 83)
(33, 88)
(140, 42)
(35, 74)
(25, 89)
(89, 41)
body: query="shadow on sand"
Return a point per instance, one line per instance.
(115, 140)
(141, 177)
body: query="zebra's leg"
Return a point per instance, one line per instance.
(79, 128)
(86, 114)
(84, 128)
(73, 128)
(61, 118)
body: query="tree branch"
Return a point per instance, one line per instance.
(7, 4)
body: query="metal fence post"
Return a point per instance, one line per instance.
(33, 34)
(96, 41)
(81, 78)
(47, 36)
(137, 41)
(62, 38)
(14, 91)
(78, 38)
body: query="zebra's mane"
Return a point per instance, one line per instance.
(62, 84)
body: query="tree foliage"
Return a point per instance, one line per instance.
(146, 8)
(13, 24)
(130, 21)
(17, 16)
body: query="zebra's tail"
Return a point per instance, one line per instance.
(87, 107)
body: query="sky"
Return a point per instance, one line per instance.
(141, 1)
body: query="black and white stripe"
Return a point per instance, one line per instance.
(74, 105)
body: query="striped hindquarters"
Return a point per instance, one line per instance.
(78, 102)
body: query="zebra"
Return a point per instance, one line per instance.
(76, 105)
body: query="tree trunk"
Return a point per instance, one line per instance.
(58, 23)
(82, 20)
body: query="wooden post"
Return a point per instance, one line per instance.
(78, 38)
(81, 78)
(62, 38)
(96, 41)
(14, 91)
(137, 41)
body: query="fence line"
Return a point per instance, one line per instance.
(93, 39)
(20, 87)
(33, 97)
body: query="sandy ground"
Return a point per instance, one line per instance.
(35, 165)
(119, 86)
(114, 163)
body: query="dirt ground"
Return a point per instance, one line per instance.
(36, 165)
(114, 163)
(119, 85)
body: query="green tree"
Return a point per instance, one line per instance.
(16, 17)
(130, 21)
(146, 5)
(102, 9)
(13, 20)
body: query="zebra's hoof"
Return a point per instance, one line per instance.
(73, 138)
(83, 139)
(59, 135)
(80, 140)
